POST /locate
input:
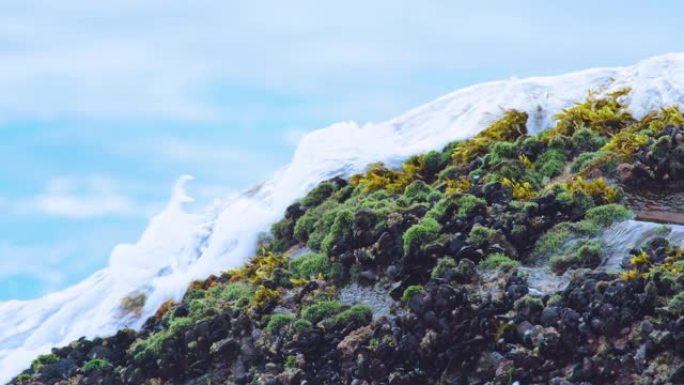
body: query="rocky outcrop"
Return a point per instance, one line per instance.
(449, 238)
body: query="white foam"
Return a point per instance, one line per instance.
(178, 246)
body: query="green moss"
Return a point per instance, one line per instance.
(586, 228)
(417, 191)
(528, 302)
(219, 297)
(302, 326)
(232, 292)
(519, 173)
(197, 308)
(585, 159)
(323, 226)
(586, 140)
(554, 300)
(310, 265)
(553, 239)
(425, 231)
(338, 274)
(603, 161)
(518, 230)
(373, 343)
(442, 268)
(151, 346)
(582, 199)
(559, 143)
(282, 235)
(42, 360)
(96, 365)
(410, 292)
(319, 194)
(194, 293)
(498, 261)
(565, 198)
(291, 361)
(379, 202)
(449, 173)
(277, 322)
(434, 161)
(439, 209)
(606, 215)
(305, 225)
(321, 310)
(23, 378)
(531, 146)
(469, 204)
(677, 303)
(530, 208)
(481, 236)
(358, 315)
(340, 231)
(500, 152)
(585, 253)
(315, 224)
(550, 163)
(590, 253)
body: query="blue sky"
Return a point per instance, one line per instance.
(103, 106)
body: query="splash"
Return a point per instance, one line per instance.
(180, 246)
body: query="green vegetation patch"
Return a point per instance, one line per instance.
(42, 360)
(321, 310)
(410, 291)
(425, 231)
(442, 268)
(498, 261)
(606, 215)
(583, 253)
(310, 265)
(96, 364)
(357, 315)
(151, 346)
(481, 235)
(277, 322)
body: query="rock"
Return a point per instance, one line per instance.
(393, 272)
(645, 328)
(550, 316)
(469, 252)
(367, 277)
(625, 173)
(667, 217)
(63, 368)
(524, 330)
(294, 211)
(465, 271)
(417, 303)
(497, 193)
(677, 376)
(353, 340)
(225, 349)
(504, 370)
(364, 219)
(456, 242)
(429, 341)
